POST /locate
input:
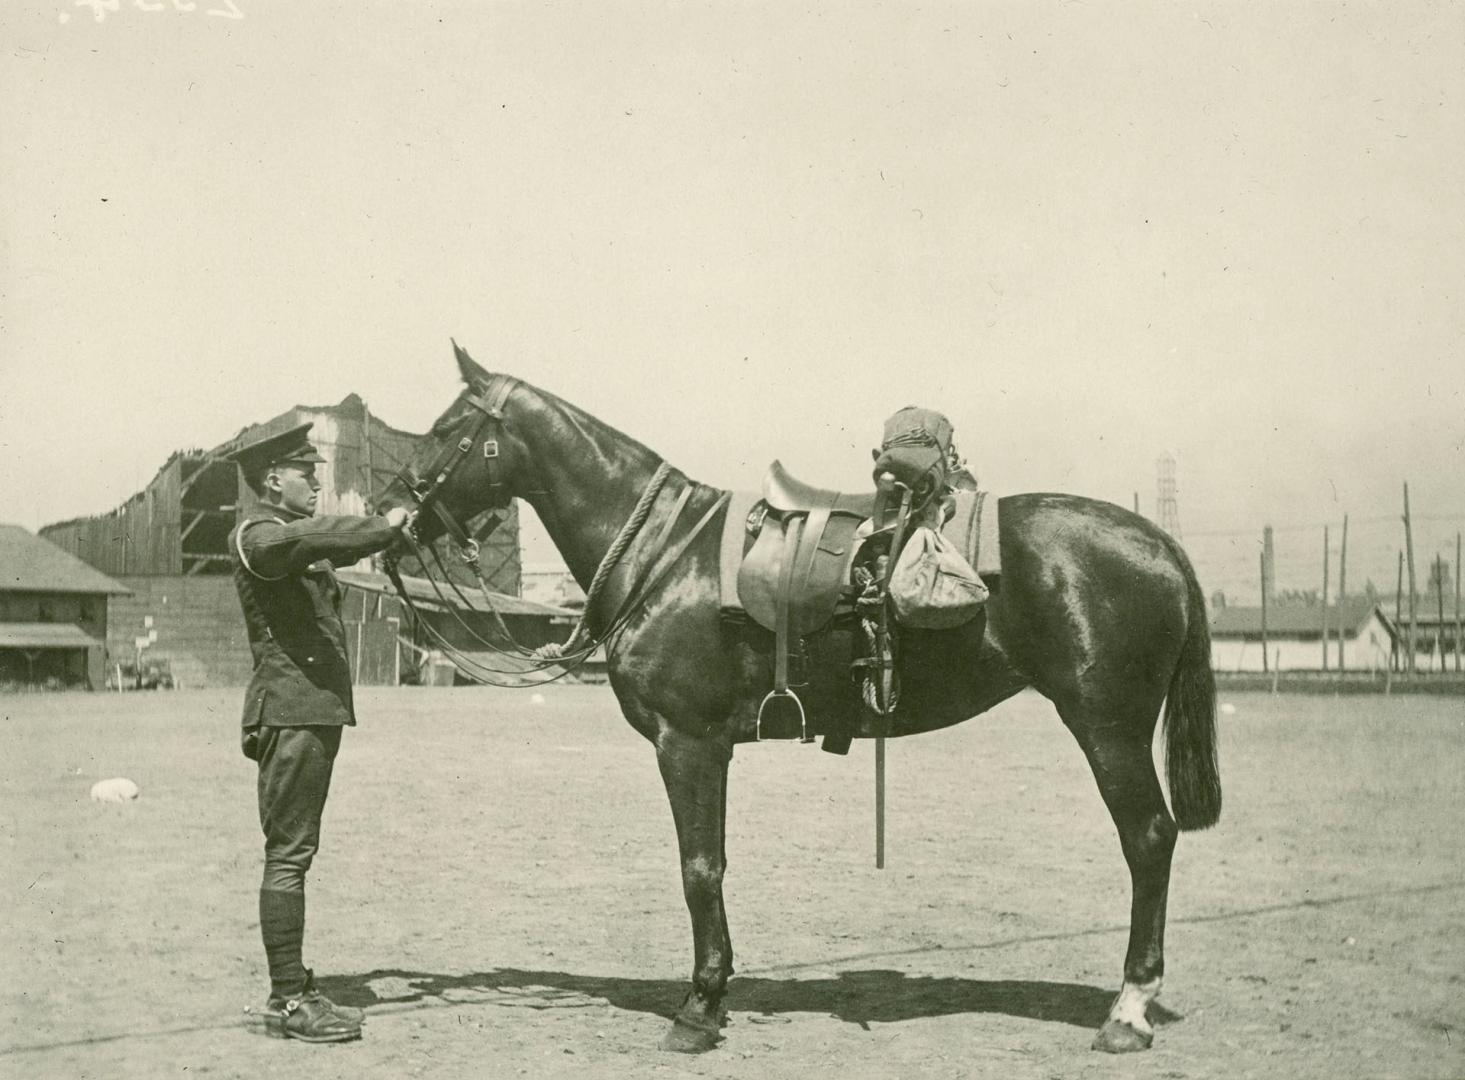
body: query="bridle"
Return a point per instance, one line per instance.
(490, 405)
(489, 429)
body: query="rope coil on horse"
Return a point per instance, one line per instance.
(579, 647)
(556, 653)
(555, 650)
(878, 702)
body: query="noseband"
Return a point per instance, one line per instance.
(490, 405)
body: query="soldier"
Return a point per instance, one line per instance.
(298, 700)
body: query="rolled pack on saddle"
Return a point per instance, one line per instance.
(802, 556)
(931, 586)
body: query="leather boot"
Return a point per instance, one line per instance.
(345, 1012)
(309, 1020)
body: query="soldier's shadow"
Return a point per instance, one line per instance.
(857, 997)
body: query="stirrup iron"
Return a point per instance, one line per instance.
(804, 736)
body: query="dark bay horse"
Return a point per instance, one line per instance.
(1096, 608)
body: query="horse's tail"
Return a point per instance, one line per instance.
(1191, 763)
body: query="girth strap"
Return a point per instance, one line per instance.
(791, 535)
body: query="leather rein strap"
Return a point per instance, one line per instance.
(490, 404)
(543, 660)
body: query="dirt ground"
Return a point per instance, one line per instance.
(498, 886)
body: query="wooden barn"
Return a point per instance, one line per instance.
(167, 545)
(53, 615)
(1294, 637)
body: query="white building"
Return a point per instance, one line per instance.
(1295, 637)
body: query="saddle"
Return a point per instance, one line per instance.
(793, 578)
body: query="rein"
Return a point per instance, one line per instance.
(554, 651)
(580, 646)
(553, 656)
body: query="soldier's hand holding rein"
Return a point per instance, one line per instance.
(399, 518)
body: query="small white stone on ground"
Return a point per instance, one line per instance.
(117, 789)
(1228, 709)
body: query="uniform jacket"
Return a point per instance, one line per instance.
(283, 569)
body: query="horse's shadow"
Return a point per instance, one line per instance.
(857, 997)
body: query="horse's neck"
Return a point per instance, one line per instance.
(593, 477)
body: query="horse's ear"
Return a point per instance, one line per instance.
(470, 371)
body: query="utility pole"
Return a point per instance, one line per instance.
(1325, 598)
(1269, 552)
(1264, 611)
(1398, 608)
(1342, 591)
(1409, 554)
(1439, 592)
(1457, 602)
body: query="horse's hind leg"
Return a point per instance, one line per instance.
(695, 773)
(1125, 770)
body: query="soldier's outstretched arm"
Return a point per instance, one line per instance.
(273, 549)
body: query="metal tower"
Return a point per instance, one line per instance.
(1167, 505)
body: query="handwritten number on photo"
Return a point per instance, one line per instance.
(227, 9)
(100, 7)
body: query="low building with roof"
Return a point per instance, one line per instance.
(53, 614)
(1438, 630)
(1294, 637)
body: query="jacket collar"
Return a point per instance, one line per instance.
(263, 508)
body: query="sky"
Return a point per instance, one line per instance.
(1090, 234)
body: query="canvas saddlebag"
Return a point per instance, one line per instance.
(932, 586)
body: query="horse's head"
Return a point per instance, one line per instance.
(469, 462)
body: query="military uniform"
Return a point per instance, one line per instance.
(299, 698)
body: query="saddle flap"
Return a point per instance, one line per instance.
(760, 573)
(812, 555)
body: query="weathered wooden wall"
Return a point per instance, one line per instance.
(199, 623)
(139, 537)
(179, 523)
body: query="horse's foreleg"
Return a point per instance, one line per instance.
(695, 773)
(1125, 771)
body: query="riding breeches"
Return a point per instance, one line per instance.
(294, 778)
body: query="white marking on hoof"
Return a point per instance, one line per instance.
(1132, 1004)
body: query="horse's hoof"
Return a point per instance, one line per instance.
(683, 1038)
(1117, 1037)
